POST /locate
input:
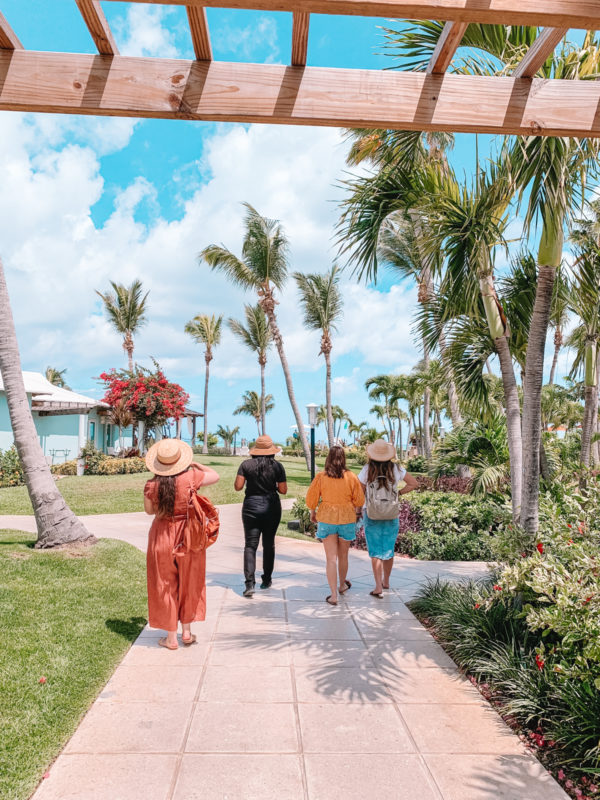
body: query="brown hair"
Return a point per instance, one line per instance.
(335, 465)
(166, 495)
(384, 470)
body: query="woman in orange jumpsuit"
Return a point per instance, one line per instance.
(176, 586)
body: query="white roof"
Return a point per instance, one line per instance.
(43, 391)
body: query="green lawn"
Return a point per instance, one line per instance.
(68, 617)
(114, 494)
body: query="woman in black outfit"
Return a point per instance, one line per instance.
(264, 479)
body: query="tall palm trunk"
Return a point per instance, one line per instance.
(400, 439)
(56, 523)
(263, 396)
(590, 400)
(420, 433)
(128, 347)
(499, 334)
(326, 350)
(455, 414)
(426, 407)
(267, 303)
(532, 387)
(558, 340)
(207, 359)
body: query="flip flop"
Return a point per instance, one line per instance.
(163, 643)
(191, 640)
(378, 595)
(348, 586)
(330, 601)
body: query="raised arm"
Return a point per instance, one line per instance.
(411, 484)
(210, 476)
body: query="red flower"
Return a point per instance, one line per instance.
(587, 600)
(477, 605)
(570, 541)
(539, 662)
(569, 525)
(497, 588)
(539, 547)
(42, 680)
(523, 555)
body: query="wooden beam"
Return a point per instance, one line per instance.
(8, 38)
(94, 18)
(199, 31)
(446, 47)
(300, 38)
(537, 55)
(271, 93)
(541, 13)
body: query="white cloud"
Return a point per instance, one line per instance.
(142, 32)
(249, 40)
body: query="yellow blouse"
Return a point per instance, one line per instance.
(340, 497)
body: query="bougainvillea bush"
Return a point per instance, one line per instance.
(149, 396)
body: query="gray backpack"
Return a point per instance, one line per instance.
(382, 499)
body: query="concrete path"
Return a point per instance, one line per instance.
(286, 697)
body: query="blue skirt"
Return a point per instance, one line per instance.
(381, 535)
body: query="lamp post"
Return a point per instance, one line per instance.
(312, 409)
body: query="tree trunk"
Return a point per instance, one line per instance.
(532, 398)
(557, 346)
(590, 400)
(426, 408)
(263, 399)
(400, 439)
(455, 414)
(409, 432)
(513, 423)
(206, 379)
(267, 304)
(128, 347)
(330, 431)
(56, 523)
(420, 433)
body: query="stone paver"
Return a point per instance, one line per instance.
(286, 697)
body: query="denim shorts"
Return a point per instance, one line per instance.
(346, 532)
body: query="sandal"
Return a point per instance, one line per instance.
(163, 643)
(348, 586)
(330, 601)
(191, 640)
(378, 595)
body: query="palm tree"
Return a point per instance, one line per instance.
(356, 430)
(253, 406)
(321, 300)
(122, 417)
(263, 267)
(384, 388)
(126, 310)
(256, 336)
(559, 317)
(228, 435)
(56, 523)
(56, 377)
(207, 331)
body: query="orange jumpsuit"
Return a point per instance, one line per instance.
(176, 586)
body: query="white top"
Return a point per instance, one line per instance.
(399, 474)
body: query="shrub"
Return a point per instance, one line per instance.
(11, 470)
(357, 456)
(301, 512)
(417, 464)
(121, 466)
(92, 458)
(67, 468)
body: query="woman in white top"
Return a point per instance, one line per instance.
(382, 472)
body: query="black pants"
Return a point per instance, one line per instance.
(260, 515)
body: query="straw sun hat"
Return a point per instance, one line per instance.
(169, 457)
(381, 450)
(264, 446)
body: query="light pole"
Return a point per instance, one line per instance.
(312, 409)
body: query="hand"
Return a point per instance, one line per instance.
(313, 517)
(359, 513)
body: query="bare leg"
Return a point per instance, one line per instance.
(186, 633)
(387, 571)
(331, 553)
(342, 553)
(172, 638)
(377, 565)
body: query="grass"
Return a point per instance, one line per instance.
(115, 494)
(69, 617)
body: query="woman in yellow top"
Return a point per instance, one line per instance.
(342, 498)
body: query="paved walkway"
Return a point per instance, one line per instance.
(285, 697)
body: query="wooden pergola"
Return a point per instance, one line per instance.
(109, 84)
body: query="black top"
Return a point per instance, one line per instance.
(262, 478)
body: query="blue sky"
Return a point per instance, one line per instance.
(89, 200)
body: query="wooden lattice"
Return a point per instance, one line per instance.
(109, 84)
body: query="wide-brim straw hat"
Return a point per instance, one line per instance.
(264, 446)
(381, 450)
(169, 457)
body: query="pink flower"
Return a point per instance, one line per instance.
(42, 680)
(560, 775)
(46, 775)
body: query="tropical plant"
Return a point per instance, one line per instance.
(56, 523)
(228, 435)
(256, 336)
(252, 405)
(121, 416)
(56, 377)
(321, 301)
(126, 309)
(207, 331)
(262, 267)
